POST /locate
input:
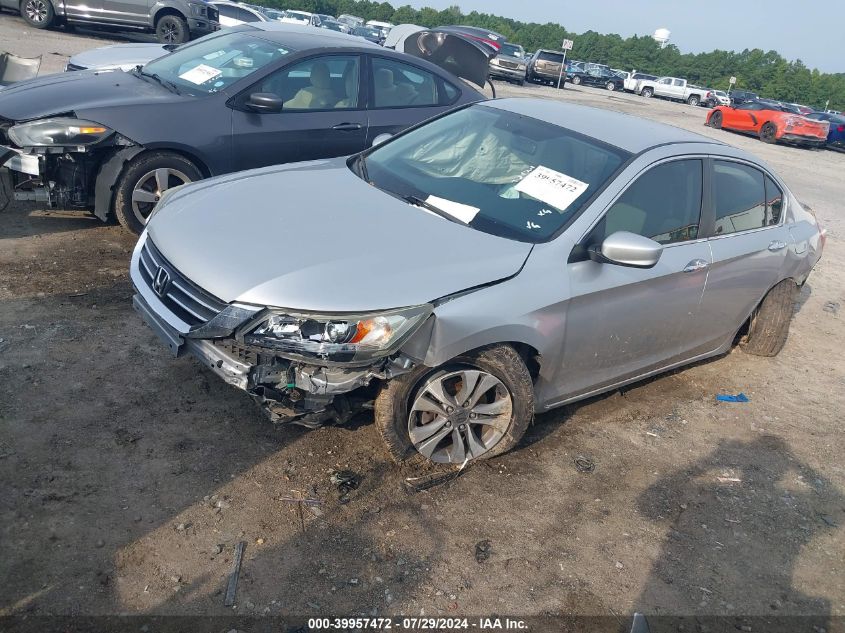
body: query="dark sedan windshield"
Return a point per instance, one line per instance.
(511, 50)
(496, 171)
(210, 65)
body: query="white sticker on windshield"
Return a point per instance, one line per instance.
(200, 74)
(551, 187)
(464, 212)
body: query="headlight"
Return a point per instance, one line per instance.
(495, 61)
(57, 132)
(337, 338)
(521, 66)
(198, 9)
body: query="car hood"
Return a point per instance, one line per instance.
(315, 237)
(84, 90)
(125, 56)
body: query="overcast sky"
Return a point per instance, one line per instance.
(810, 31)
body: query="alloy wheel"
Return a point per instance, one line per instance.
(459, 415)
(36, 10)
(150, 187)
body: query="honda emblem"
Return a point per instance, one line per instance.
(161, 281)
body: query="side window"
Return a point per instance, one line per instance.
(322, 83)
(247, 16)
(396, 84)
(663, 204)
(665, 82)
(678, 82)
(450, 93)
(228, 11)
(739, 198)
(774, 202)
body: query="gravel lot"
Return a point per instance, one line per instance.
(129, 477)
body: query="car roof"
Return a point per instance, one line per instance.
(301, 37)
(626, 131)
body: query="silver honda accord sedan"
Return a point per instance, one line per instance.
(503, 259)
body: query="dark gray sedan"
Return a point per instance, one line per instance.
(247, 97)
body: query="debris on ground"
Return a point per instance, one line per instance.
(584, 464)
(301, 500)
(232, 585)
(832, 307)
(728, 480)
(345, 481)
(482, 551)
(724, 397)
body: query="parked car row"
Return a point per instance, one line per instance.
(327, 154)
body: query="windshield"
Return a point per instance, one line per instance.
(334, 26)
(211, 64)
(365, 31)
(512, 50)
(499, 172)
(296, 15)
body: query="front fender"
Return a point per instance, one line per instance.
(107, 179)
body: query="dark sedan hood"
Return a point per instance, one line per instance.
(315, 237)
(78, 91)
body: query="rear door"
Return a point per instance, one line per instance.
(621, 321)
(403, 94)
(663, 87)
(323, 114)
(744, 117)
(749, 243)
(123, 11)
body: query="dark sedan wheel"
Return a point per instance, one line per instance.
(475, 407)
(172, 29)
(611, 86)
(769, 324)
(768, 132)
(144, 181)
(38, 13)
(716, 120)
(576, 80)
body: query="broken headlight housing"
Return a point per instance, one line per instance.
(58, 132)
(337, 338)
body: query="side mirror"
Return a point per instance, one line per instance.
(627, 249)
(265, 102)
(381, 138)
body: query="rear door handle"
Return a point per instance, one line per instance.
(347, 127)
(777, 245)
(696, 265)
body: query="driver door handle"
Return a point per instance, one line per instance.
(347, 127)
(696, 265)
(777, 245)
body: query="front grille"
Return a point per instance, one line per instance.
(70, 67)
(185, 299)
(511, 65)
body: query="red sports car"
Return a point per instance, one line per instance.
(770, 121)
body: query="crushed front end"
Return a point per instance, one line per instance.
(305, 381)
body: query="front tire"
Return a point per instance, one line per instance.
(768, 133)
(576, 80)
(769, 324)
(716, 120)
(38, 13)
(172, 29)
(476, 406)
(693, 100)
(647, 93)
(143, 182)
(611, 86)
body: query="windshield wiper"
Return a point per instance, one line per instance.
(362, 167)
(164, 82)
(419, 202)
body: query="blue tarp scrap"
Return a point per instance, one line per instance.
(740, 397)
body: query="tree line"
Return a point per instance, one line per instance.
(766, 73)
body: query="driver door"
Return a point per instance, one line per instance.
(323, 115)
(623, 322)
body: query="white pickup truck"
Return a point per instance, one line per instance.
(673, 88)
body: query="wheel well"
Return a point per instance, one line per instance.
(167, 11)
(204, 170)
(743, 329)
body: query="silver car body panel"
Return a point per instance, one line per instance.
(594, 326)
(117, 56)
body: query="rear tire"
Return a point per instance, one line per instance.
(172, 29)
(693, 100)
(143, 181)
(38, 13)
(716, 120)
(394, 403)
(576, 80)
(768, 133)
(769, 324)
(611, 86)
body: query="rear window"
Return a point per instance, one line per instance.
(550, 57)
(739, 198)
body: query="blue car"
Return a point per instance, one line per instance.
(836, 135)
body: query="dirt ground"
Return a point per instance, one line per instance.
(128, 477)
